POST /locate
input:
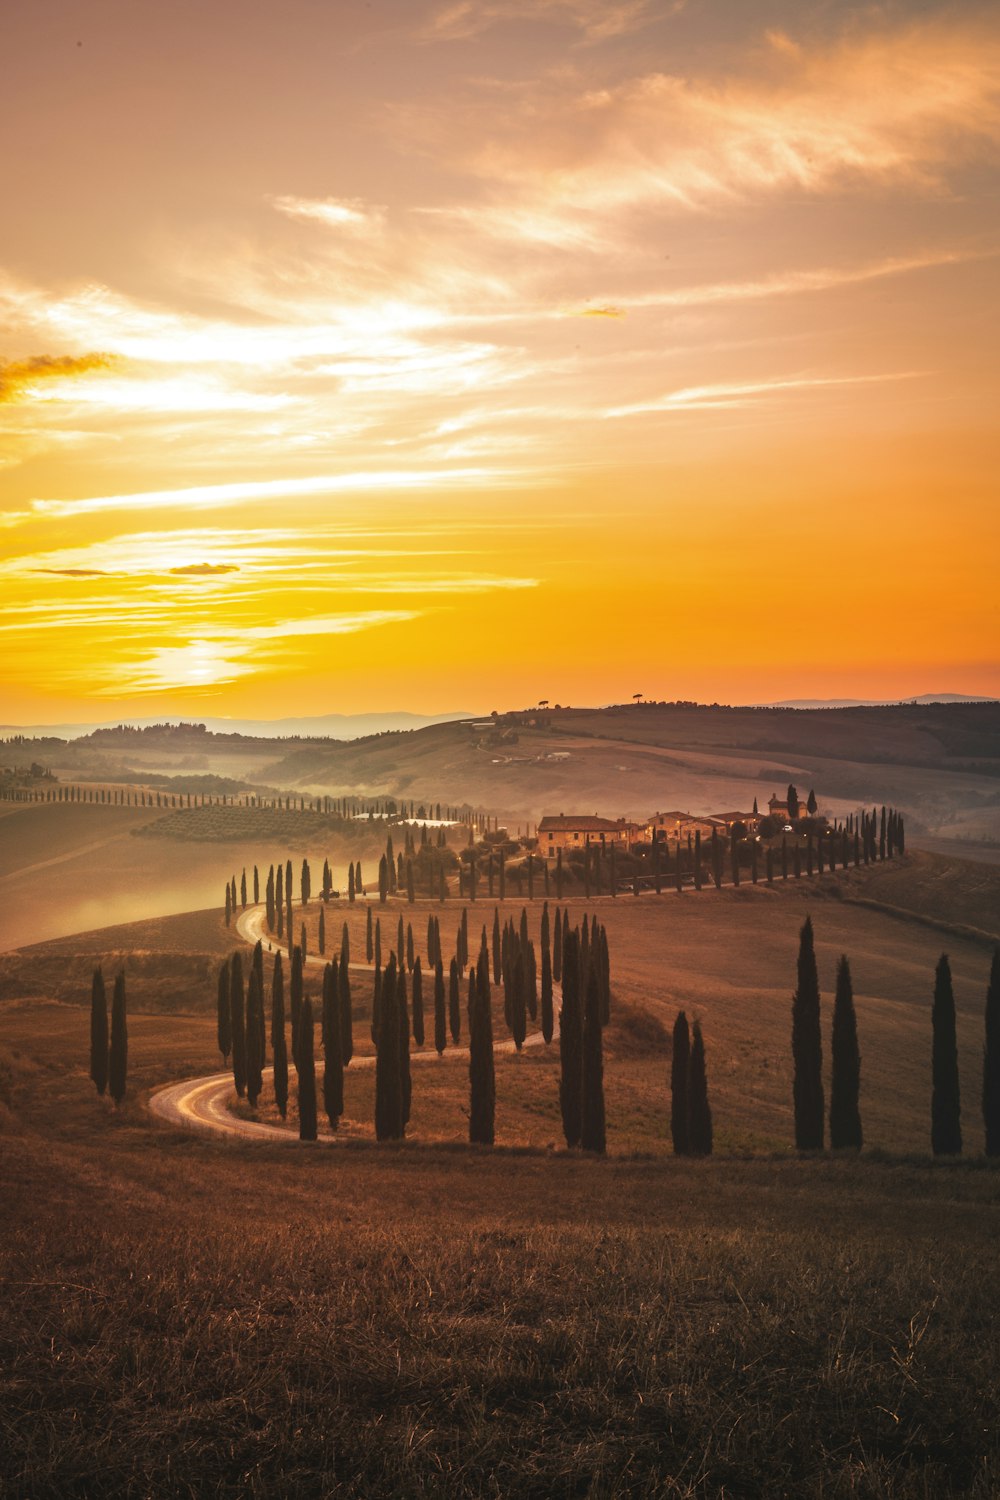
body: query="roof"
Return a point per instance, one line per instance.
(579, 823)
(682, 817)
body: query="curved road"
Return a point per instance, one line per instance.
(203, 1104)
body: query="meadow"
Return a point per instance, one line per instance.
(199, 1317)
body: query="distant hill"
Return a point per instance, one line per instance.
(877, 702)
(318, 726)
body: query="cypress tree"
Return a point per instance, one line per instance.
(547, 1012)
(807, 1048)
(369, 942)
(440, 1010)
(346, 1014)
(454, 1002)
(288, 884)
(403, 1009)
(418, 1004)
(559, 876)
(118, 1047)
(333, 1063)
(519, 991)
(592, 1131)
(571, 1040)
(296, 1001)
(496, 946)
(243, 890)
(305, 883)
(699, 1114)
(306, 1066)
(237, 1021)
(679, 1062)
(228, 906)
(409, 947)
(991, 1060)
(269, 899)
(482, 1077)
(388, 1081)
(99, 1032)
(845, 1115)
(254, 1038)
(278, 1044)
(557, 946)
(302, 941)
(946, 1129)
(359, 888)
(322, 933)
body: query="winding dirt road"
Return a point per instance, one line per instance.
(205, 1104)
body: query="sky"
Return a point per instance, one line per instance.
(460, 355)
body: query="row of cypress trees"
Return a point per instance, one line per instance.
(845, 1116)
(108, 1045)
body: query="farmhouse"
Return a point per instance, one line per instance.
(577, 830)
(675, 825)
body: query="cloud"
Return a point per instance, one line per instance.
(214, 496)
(75, 572)
(204, 570)
(903, 106)
(335, 213)
(597, 20)
(712, 397)
(23, 379)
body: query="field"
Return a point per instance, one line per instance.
(197, 1317)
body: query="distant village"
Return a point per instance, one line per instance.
(569, 831)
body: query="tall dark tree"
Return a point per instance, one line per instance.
(333, 1062)
(306, 1073)
(571, 1040)
(99, 1032)
(679, 1086)
(991, 1060)
(388, 1079)
(118, 1046)
(519, 998)
(305, 883)
(406, 1078)
(345, 1002)
(269, 900)
(440, 1009)
(350, 882)
(296, 1001)
(946, 1110)
(237, 1021)
(593, 1132)
(482, 1077)
(547, 1011)
(279, 1046)
(369, 935)
(807, 1048)
(243, 890)
(229, 906)
(454, 1002)
(256, 886)
(322, 933)
(699, 1114)
(811, 803)
(417, 986)
(254, 1037)
(845, 1087)
(792, 802)
(557, 946)
(495, 945)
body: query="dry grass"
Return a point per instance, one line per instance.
(194, 1318)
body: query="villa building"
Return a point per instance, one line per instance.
(576, 831)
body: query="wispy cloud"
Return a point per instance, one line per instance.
(334, 213)
(27, 379)
(597, 20)
(898, 106)
(714, 397)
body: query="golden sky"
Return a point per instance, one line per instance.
(453, 356)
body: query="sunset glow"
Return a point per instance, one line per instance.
(441, 356)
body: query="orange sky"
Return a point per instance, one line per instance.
(454, 356)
